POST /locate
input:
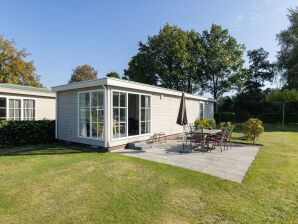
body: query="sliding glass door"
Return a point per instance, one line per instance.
(131, 114)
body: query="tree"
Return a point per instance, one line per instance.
(13, 65)
(83, 73)
(260, 69)
(223, 61)
(169, 59)
(113, 75)
(283, 96)
(287, 57)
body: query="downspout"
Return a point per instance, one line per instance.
(105, 116)
(56, 116)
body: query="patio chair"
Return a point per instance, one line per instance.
(161, 136)
(220, 141)
(229, 136)
(199, 139)
(153, 138)
(188, 133)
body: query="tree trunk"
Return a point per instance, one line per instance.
(189, 86)
(215, 103)
(283, 116)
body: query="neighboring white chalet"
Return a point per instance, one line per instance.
(112, 112)
(26, 103)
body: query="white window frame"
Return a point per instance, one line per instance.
(140, 113)
(14, 109)
(30, 108)
(119, 107)
(5, 118)
(202, 110)
(8, 97)
(90, 114)
(126, 126)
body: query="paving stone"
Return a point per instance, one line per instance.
(230, 164)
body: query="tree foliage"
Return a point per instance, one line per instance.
(283, 96)
(288, 54)
(223, 61)
(259, 70)
(169, 59)
(13, 65)
(175, 59)
(113, 75)
(83, 73)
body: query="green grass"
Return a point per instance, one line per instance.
(59, 185)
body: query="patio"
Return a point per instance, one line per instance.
(231, 164)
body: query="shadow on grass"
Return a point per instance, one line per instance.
(44, 150)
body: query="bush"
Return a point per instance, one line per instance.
(205, 123)
(227, 124)
(17, 133)
(252, 128)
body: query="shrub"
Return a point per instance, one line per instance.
(205, 123)
(225, 124)
(17, 133)
(252, 128)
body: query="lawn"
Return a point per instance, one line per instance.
(60, 185)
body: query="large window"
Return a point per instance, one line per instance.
(15, 109)
(97, 115)
(201, 110)
(131, 114)
(91, 114)
(119, 114)
(29, 109)
(2, 108)
(145, 114)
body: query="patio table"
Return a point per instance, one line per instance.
(205, 131)
(208, 131)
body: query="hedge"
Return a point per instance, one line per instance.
(18, 133)
(265, 117)
(276, 117)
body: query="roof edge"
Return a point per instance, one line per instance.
(126, 84)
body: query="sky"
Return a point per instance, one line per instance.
(61, 34)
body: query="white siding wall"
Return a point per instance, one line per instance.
(45, 108)
(164, 111)
(67, 118)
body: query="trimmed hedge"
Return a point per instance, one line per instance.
(265, 117)
(17, 133)
(276, 117)
(225, 117)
